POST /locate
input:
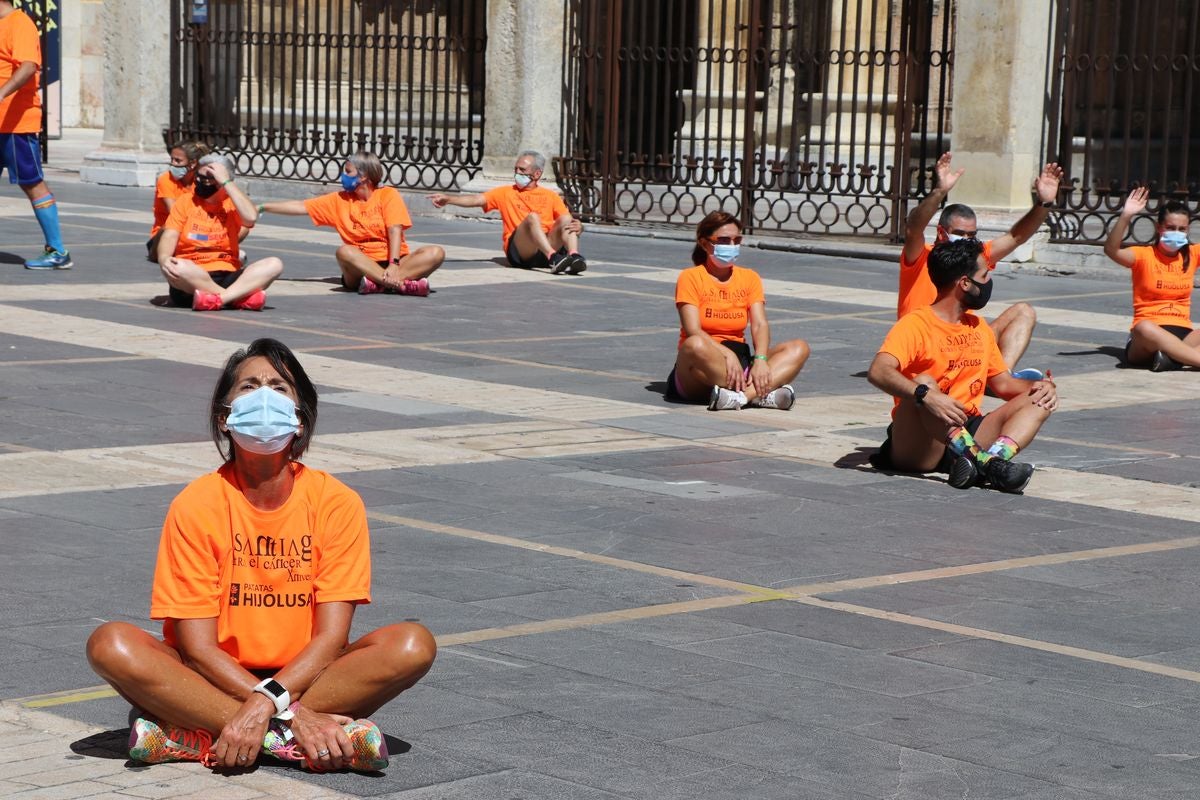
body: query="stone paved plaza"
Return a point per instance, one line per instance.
(632, 599)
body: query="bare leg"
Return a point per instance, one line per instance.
(918, 437)
(354, 265)
(699, 365)
(373, 670)
(420, 263)
(560, 237)
(1149, 338)
(785, 360)
(187, 276)
(259, 275)
(531, 239)
(1018, 419)
(1014, 329)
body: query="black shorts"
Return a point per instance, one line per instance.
(224, 279)
(740, 349)
(152, 246)
(537, 260)
(1180, 332)
(883, 458)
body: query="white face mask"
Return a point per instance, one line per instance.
(263, 421)
(522, 180)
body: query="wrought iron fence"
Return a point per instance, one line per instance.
(1123, 109)
(798, 116)
(292, 87)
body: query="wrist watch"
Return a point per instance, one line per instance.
(919, 393)
(273, 690)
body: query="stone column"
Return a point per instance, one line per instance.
(524, 83)
(136, 94)
(999, 86)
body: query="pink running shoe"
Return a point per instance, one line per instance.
(368, 286)
(253, 301)
(419, 287)
(150, 743)
(370, 748)
(206, 301)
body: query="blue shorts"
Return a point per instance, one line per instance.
(21, 155)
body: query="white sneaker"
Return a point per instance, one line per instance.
(725, 399)
(781, 398)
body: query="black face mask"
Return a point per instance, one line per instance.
(205, 190)
(979, 299)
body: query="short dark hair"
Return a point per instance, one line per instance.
(955, 210)
(286, 364)
(950, 261)
(714, 220)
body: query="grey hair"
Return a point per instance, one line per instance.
(222, 159)
(368, 165)
(955, 210)
(539, 160)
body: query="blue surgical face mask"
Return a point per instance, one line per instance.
(726, 253)
(522, 180)
(350, 182)
(263, 421)
(178, 173)
(1173, 241)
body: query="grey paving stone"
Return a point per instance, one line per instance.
(524, 784)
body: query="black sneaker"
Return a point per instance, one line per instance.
(571, 264)
(1007, 476)
(1164, 363)
(962, 472)
(558, 262)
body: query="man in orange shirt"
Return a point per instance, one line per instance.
(1014, 327)
(539, 231)
(936, 362)
(20, 124)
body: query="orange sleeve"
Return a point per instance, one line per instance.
(560, 208)
(323, 210)
(344, 568)
(178, 217)
(491, 198)
(686, 290)
(187, 575)
(904, 343)
(755, 286)
(395, 212)
(27, 42)
(987, 255)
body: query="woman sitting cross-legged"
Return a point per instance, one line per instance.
(716, 300)
(261, 565)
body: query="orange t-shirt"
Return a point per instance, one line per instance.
(960, 356)
(724, 306)
(165, 188)
(20, 112)
(207, 237)
(916, 289)
(363, 223)
(515, 205)
(260, 573)
(1162, 291)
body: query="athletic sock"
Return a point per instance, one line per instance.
(46, 211)
(961, 442)
(1004, 448)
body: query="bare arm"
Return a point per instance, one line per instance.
(20, 77)
(460, 200)
(291, 208)
(1045, 188)
(1134, 204)
(167, 244)
(919, 217)
(760, 334)
(395, 234)
(885, 374)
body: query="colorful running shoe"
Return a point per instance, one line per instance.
(417, 288)
(206, 301)
(150, 743)
(51, 259)
(370, 748)
(368, 286)
(253, 301)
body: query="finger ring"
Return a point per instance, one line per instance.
(241, 758)
(322, 753)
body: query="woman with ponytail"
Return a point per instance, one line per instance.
(716, 299)
(1162, 337)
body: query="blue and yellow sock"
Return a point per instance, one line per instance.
(961, 442)
(1004, 447)
(46, 211)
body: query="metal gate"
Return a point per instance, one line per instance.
(292, 87)
(1123, 109)
(798, 116)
